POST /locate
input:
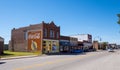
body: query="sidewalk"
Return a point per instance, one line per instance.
(31, 56)
(19, 57)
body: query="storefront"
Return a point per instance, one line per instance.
(64, 46)
(50, 46)
(87, 46)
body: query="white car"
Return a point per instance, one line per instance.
(110, 50)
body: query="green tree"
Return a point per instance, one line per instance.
(119, 19)
(104, 45)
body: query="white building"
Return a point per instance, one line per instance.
(83, 37)
(86, 39)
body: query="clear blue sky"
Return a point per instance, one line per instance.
(96, 17)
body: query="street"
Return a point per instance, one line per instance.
(102, 60)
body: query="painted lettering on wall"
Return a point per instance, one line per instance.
(34, 36)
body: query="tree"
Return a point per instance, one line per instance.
(119, 19)
(104, 45)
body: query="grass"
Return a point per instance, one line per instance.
(14, 54)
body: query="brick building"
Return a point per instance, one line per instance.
(64, 44)
(68, 44)
(1, 45)
(95, 45)
(50, 37)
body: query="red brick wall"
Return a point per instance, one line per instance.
(64, 38)
(18, 39)
(51, 26)
(95, 45)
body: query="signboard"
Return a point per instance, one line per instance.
(35, 40)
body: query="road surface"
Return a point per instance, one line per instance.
(101, 60)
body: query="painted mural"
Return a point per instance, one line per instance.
(35, 40)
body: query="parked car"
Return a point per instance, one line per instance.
(110, 50)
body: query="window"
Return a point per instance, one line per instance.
(52, 34)
(25, 35)
(45, 32)
(57, 35)
(44, 43)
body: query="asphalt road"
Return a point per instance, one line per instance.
(102, 60)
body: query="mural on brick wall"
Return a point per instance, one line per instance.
(34, 40)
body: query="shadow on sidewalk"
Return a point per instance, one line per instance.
(66, 53)
(6, 54)
(2, 63)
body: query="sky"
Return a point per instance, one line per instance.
(95, 17)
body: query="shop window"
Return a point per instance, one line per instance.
(44, 43)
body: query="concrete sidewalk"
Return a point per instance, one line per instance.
(31, 56)
(19, 57)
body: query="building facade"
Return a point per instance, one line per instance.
(1, 45)
(50, 34)
(19, 37)
(95, 45)
(112, 45)
(65, 44)
(85, 39)
(73, 44)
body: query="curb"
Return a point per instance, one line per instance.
(18, 57)
(29, 56)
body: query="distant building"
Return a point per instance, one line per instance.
(46, 35)
(95, 45)
(83, 37)
(5, 46)
(113, 45)
(73, 41)
(73, 44)
(103, 45)
(1, 45)
(118, 46)
(85, 40)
